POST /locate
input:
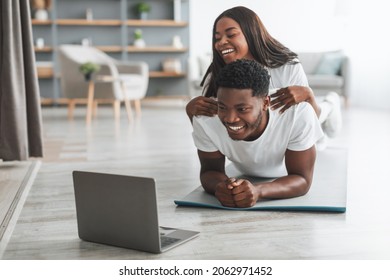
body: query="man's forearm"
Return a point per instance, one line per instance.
(210, 179)
(284, 187)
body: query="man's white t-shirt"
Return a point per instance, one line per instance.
(297, 129)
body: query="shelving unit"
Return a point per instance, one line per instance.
(111, 30)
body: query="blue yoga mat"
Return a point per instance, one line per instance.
(328, 192)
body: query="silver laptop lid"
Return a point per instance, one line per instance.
(117, 210)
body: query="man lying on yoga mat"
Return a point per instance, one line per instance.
(258, 141)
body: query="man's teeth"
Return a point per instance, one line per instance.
(227, 51)
(235, 128)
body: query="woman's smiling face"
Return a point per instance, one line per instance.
(230, 41)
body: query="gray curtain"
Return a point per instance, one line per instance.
(20, 115)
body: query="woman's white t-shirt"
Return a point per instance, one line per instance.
(287, 75)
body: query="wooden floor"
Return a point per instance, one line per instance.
(159, 145)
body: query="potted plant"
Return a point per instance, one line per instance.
(142, 9)
(88, 69)
(138, 41)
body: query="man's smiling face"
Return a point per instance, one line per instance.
(244, 116)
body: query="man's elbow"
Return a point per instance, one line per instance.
(303, 186)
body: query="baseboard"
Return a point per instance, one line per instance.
(12, 215)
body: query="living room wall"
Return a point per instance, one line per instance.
(358, 27)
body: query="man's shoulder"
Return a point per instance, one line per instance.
(301, 111)
(302, 107)
(297, 108)
(206, 120)
(306, 109)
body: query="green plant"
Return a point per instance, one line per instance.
(89, 68)
(138, 34)
(142, 7)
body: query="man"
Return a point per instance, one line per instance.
(258, 141)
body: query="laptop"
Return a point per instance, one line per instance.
(122, 211)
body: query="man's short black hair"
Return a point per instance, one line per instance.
(245, 74)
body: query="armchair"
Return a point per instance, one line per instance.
(197, 68)
(327, 71)
(128, 80)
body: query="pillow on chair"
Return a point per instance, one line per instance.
(330, 63)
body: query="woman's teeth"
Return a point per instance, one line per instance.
(227, 51)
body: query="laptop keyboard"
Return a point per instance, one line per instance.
(166, 241)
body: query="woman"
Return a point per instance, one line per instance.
(239, 33)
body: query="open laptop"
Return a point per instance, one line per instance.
(122, 211)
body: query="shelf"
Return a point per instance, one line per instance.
(109, 48)
(147, 99)
(112, 22)
(156, 23)
(83, 22)
(162, 74)
(41, 22)
(157, 49)
(44, 49)
(152, 49)
(102, 48)
(165, 49)
(45, 72)
(52, 101)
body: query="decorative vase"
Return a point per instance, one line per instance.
(88, 14)
(172, 65)
(176, 42)
(41, 14)
(40, 43)
(139, 43)
(143, 15)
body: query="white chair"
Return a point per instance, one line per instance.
(124, 80)
(197, 67)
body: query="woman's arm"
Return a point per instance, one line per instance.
(286, 97)
(201, 105)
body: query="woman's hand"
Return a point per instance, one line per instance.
(284, 98)
(203, 106)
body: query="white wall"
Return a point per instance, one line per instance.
(359, 27)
